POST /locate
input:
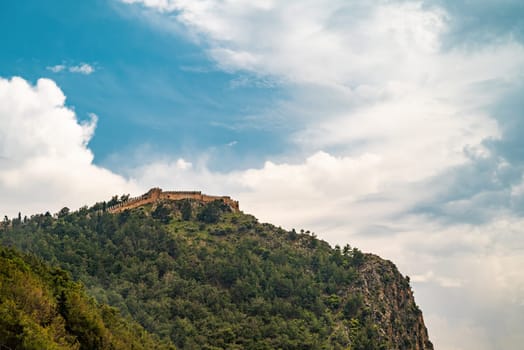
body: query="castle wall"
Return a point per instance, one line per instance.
(175, 195)
(156, 194)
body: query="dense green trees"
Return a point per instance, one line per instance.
(205, 277)
(42, 308)
(186, 210)
(212, 211)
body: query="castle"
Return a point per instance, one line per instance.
(156, 194)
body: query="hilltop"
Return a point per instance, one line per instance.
(202, 274)
(156, 194)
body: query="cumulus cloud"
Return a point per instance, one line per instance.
(46, 163)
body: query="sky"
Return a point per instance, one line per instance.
(391, 125)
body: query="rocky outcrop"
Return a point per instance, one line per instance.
(389, 303)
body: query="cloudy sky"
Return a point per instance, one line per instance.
(392, 125)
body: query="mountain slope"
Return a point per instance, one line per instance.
(209, 277)
(41, 308)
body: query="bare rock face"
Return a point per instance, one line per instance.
(389, 303)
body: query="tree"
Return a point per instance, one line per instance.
(358, 257)
(161, 213)
(212, 211)
(186, 210)
(63, 212)
(114, 200)
(6, 222)
(353, 306)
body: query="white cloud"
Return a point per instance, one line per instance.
(465, 276)
(163, 5)
(335, 42)
(82, 68)
(389, 88)
(45, 163)
(57, 68)
(443, 281)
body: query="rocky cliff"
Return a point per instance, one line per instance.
(389, 302)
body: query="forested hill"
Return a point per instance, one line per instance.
(205, 277)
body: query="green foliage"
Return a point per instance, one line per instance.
(161, 213)
(186, 210)
(353, 306)
(42, 308)
(63, 212)
(202, 276)
(212, 212)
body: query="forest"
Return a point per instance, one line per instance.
(200, 276)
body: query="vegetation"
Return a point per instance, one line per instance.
(42, 308)
(205, 277)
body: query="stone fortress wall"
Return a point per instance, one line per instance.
(156, 194)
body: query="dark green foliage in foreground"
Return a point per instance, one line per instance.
(41, 308)
(208, 278)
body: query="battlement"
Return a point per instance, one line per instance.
(155, 194)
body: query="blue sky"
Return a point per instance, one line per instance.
(155, 87)
(394, 126)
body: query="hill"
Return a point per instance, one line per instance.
(207, 276)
